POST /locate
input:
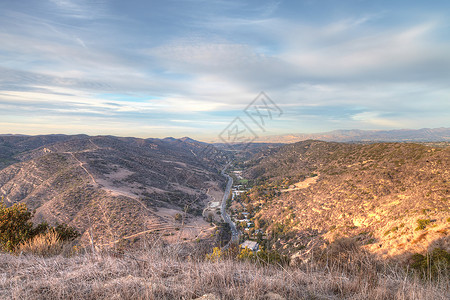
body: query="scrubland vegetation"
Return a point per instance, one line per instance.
(391, 197)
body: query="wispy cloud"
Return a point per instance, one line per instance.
(201, 62)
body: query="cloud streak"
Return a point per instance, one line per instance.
(194, 67)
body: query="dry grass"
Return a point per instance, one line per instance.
(46, 244)
(175, 272)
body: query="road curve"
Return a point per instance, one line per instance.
(223, 210)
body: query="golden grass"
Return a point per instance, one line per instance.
(156, 271)
(45, 244)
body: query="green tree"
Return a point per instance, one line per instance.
(432, 264)
(15, 226)
(65, 232)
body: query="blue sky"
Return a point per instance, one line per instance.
(188, 68)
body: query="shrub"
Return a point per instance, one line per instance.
(15, 226)
(246, 254)
(272, 257)
(393, 229)
(422, 224)
(215, 255)
(432, 264)
(66, 233)
(263, 256)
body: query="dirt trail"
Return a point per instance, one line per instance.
(112, 191)
(81, 165)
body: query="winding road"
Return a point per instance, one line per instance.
(223, 208)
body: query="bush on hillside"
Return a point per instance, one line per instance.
(422, 224)
(15, 226)
(17, 229)
(433, 264)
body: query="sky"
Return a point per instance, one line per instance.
(148, 68)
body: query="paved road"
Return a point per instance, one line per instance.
(223, 210)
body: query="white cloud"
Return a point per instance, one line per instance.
(374, 118)
(216, 63)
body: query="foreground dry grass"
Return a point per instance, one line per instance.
(175, 272)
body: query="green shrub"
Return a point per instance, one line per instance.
(422, 224)
(15, 226)
(65, 232)
(17, 229)
(432, 264)
(263, 256)
(393, 229)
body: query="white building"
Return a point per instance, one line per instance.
(254, 246)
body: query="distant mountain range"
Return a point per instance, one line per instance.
(400, 135)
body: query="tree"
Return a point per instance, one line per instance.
(15, 226)
(223, 233)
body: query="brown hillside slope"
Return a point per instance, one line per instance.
(115, 186)
(392, 197)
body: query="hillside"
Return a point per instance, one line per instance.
(115, 187)
(391, 197)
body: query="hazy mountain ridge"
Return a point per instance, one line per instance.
(11, 145)
(355, 135)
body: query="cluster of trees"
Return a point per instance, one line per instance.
(223, 233)
(17, 228)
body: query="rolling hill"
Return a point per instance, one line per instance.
(115, 187)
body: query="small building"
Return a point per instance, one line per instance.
(254, 246)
